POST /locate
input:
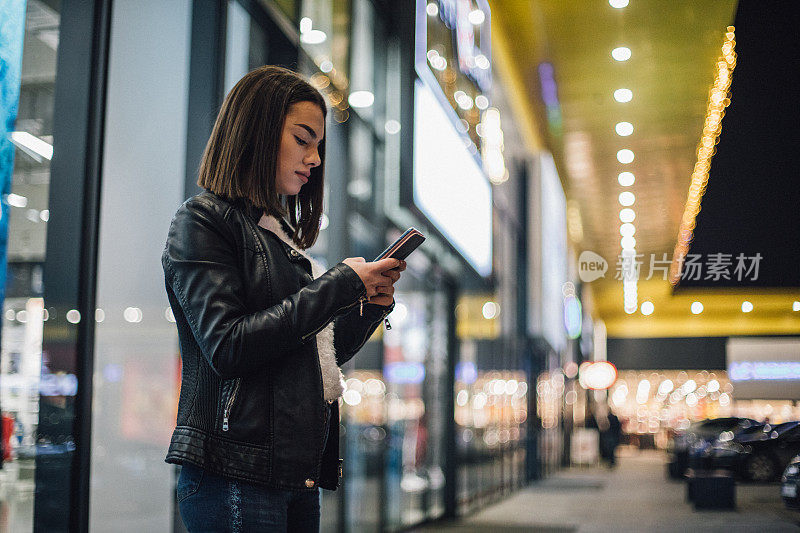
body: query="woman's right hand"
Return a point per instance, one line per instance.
(371, 273)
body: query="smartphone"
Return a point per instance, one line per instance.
(402, 247)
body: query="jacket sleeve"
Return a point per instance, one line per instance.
(351, 330)
(200, 263)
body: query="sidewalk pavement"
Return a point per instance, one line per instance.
(634, 497)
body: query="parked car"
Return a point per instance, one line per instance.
(700, 450)
(790, 481)
(699, 434)
(755, 455)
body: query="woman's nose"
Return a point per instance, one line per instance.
(313, 158)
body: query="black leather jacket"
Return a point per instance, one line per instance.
(247, 310)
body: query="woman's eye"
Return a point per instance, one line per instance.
(300, 141)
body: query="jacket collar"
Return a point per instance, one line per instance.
(248, 208)
(255, 213)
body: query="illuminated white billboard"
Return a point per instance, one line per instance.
(450, 187)
(551, 257)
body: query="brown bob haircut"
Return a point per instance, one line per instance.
(240, 159)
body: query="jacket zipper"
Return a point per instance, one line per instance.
(364, 340)
(361, 312)
(229, 404)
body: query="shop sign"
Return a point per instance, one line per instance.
(764, 368)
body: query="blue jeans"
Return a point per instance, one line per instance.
(212, 503)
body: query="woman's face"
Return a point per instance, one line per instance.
(298, 153)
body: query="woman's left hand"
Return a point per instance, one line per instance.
(385, 295)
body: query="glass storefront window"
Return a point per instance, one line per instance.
(245, 47)
(490, 413)
(394, 417)
(404, 370)
(22, 374)
(325, 27)
(414, 367)
(353, 85)
(136, 360)
(363, 64)
(550, 390)
(491, 405)
(364, 415)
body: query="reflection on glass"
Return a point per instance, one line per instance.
(325, 27)
(363, 65)
(414, 367)
(550, 392)
(22, 373)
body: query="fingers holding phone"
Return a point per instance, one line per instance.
(378, 277)
(385, 294)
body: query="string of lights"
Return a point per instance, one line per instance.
(718, 100)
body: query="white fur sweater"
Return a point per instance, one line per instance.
(332, 379)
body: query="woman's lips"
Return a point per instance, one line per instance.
(303, 177)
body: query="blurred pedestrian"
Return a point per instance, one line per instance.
(609, 431)
(614, 437)
(263, 328)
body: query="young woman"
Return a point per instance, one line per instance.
(262, 328)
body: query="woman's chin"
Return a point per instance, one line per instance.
(294, 191)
